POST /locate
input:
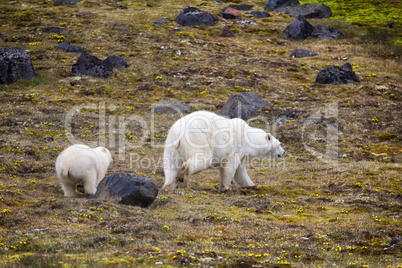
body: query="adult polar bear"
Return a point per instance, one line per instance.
(81, 164)
(203, 140)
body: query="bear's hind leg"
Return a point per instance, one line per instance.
(68, 188)
(192, 166)
(90, 184)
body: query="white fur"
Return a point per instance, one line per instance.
(203, 140)
(80, 164)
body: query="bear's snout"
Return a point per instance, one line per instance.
(281, 152)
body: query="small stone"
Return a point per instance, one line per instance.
(54, 30)
(88, 65)
(242, 7)
(161, 21)
(115, 61)
(259, 14)
(226, 32)
(301, 53)
(299, 29)
(66, 2)
(242, 105)
(325, 32)
(272, 4)
(69, 48)
(171, 107)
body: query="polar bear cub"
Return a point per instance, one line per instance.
(203, 140)
(80, 164)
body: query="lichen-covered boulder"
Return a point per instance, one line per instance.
(230, 13)
(190, 16)
(15, 64)
(307, 11)
(126, 189)
(337, 75)
(242, 105)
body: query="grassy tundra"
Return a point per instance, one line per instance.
(305, 211)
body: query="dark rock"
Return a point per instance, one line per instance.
(54, 30)
(245, 22)
(171, 107)
(325, 32)
(86, 14)
(226, 32)
(219, 2)
(122, 7)
(307, 11)
(395, 241)
(190, 16)
(299, 29)
(301, 53)
(242, 7)
(47, 139)
(126, 189)
(161, 21)
(90, 66)
(272, 4)
(229, 13)
(69, 48)
(66, 2)
(115, 61)
(337, 75)
(15, 64)
(242, 105)
(259, 14)
(2, 36)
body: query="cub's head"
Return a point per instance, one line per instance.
(105, 154)
(275, 148)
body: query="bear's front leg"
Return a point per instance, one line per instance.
(241, 177)
(227, 174)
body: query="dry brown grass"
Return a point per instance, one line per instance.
(303, 213)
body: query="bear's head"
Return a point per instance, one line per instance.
(275, 148)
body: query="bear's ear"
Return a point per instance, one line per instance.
(268, 137)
